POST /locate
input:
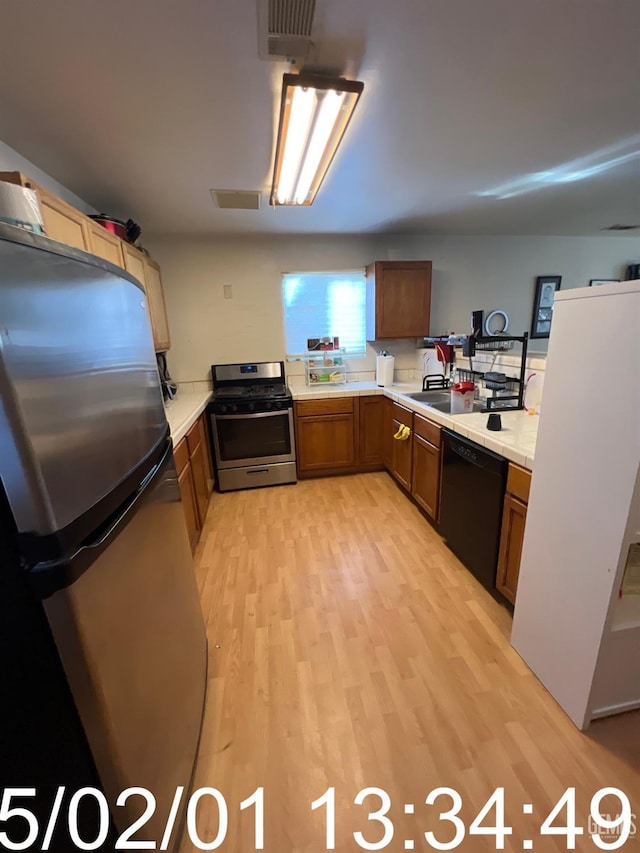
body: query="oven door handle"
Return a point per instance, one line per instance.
(251, 415)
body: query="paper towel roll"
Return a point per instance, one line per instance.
(384, 370)
(19, 206)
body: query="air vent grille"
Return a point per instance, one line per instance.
(291, 17)
(237, 199)
(284, 29)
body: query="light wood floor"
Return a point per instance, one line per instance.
(349, 648)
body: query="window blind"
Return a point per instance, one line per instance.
(318, 304)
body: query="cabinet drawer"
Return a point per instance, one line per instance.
(194, 437)
(181, 455)
(519, 482)
(426, 429)
(328, 406)
(402, 414)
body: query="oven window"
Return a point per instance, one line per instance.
(249, 437)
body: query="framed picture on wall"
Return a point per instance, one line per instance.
(546, 287)
(596, 281)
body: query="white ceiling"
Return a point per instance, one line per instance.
(140, 107)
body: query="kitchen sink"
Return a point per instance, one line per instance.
(440, 401)
(445, 407)
(430, 397)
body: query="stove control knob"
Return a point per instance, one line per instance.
(278, 405)
(233, 407)
(268, 405)
(252, 406)
(223, 409)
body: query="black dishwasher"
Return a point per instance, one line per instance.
(471, 499)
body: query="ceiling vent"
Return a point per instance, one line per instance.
(620, 227)
(284, 28)
(236, 199)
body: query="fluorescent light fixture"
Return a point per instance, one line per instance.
(314, 113)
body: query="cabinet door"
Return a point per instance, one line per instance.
(399, 293)
(106, 245)
(513, 521)
(200, 482)
(425, 483)
(134, 263)
(402, 457)
(63, 222)
(188, 493)
(371, 431)
(387, 439)
(325, 442)
(157, 308)
(206, 446)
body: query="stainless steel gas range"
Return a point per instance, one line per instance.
(252, 425)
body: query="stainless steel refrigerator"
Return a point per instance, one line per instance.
(102, 641)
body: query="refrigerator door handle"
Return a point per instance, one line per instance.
(49, 577)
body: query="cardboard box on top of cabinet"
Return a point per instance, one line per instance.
(19, 206)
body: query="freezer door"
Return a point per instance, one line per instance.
(131, 638)
(80, 400)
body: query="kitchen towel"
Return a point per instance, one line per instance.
(384, 370)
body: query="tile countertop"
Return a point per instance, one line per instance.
(184, 411)
(516, 440)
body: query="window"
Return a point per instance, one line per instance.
(321, 303)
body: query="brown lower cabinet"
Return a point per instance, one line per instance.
(402, 459)
(425, 480)
(413, 462)
(192, 460)
(514, 517)
(339, 435)
(388, 416)
(370, 448)
(399, 450)
(325, 435)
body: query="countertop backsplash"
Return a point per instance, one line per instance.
(195, 387)
(364, 369)
(409, 363)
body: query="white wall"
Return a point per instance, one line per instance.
(499, 272)
(207, 329)
(11, 161)
(468, 273)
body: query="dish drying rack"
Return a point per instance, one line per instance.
(514, 387)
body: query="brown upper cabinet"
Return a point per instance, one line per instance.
(65, 223)
(398, 299)
(106, 245)
(157, 308)
(148, 274)
(62, 222)
(134, 263)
